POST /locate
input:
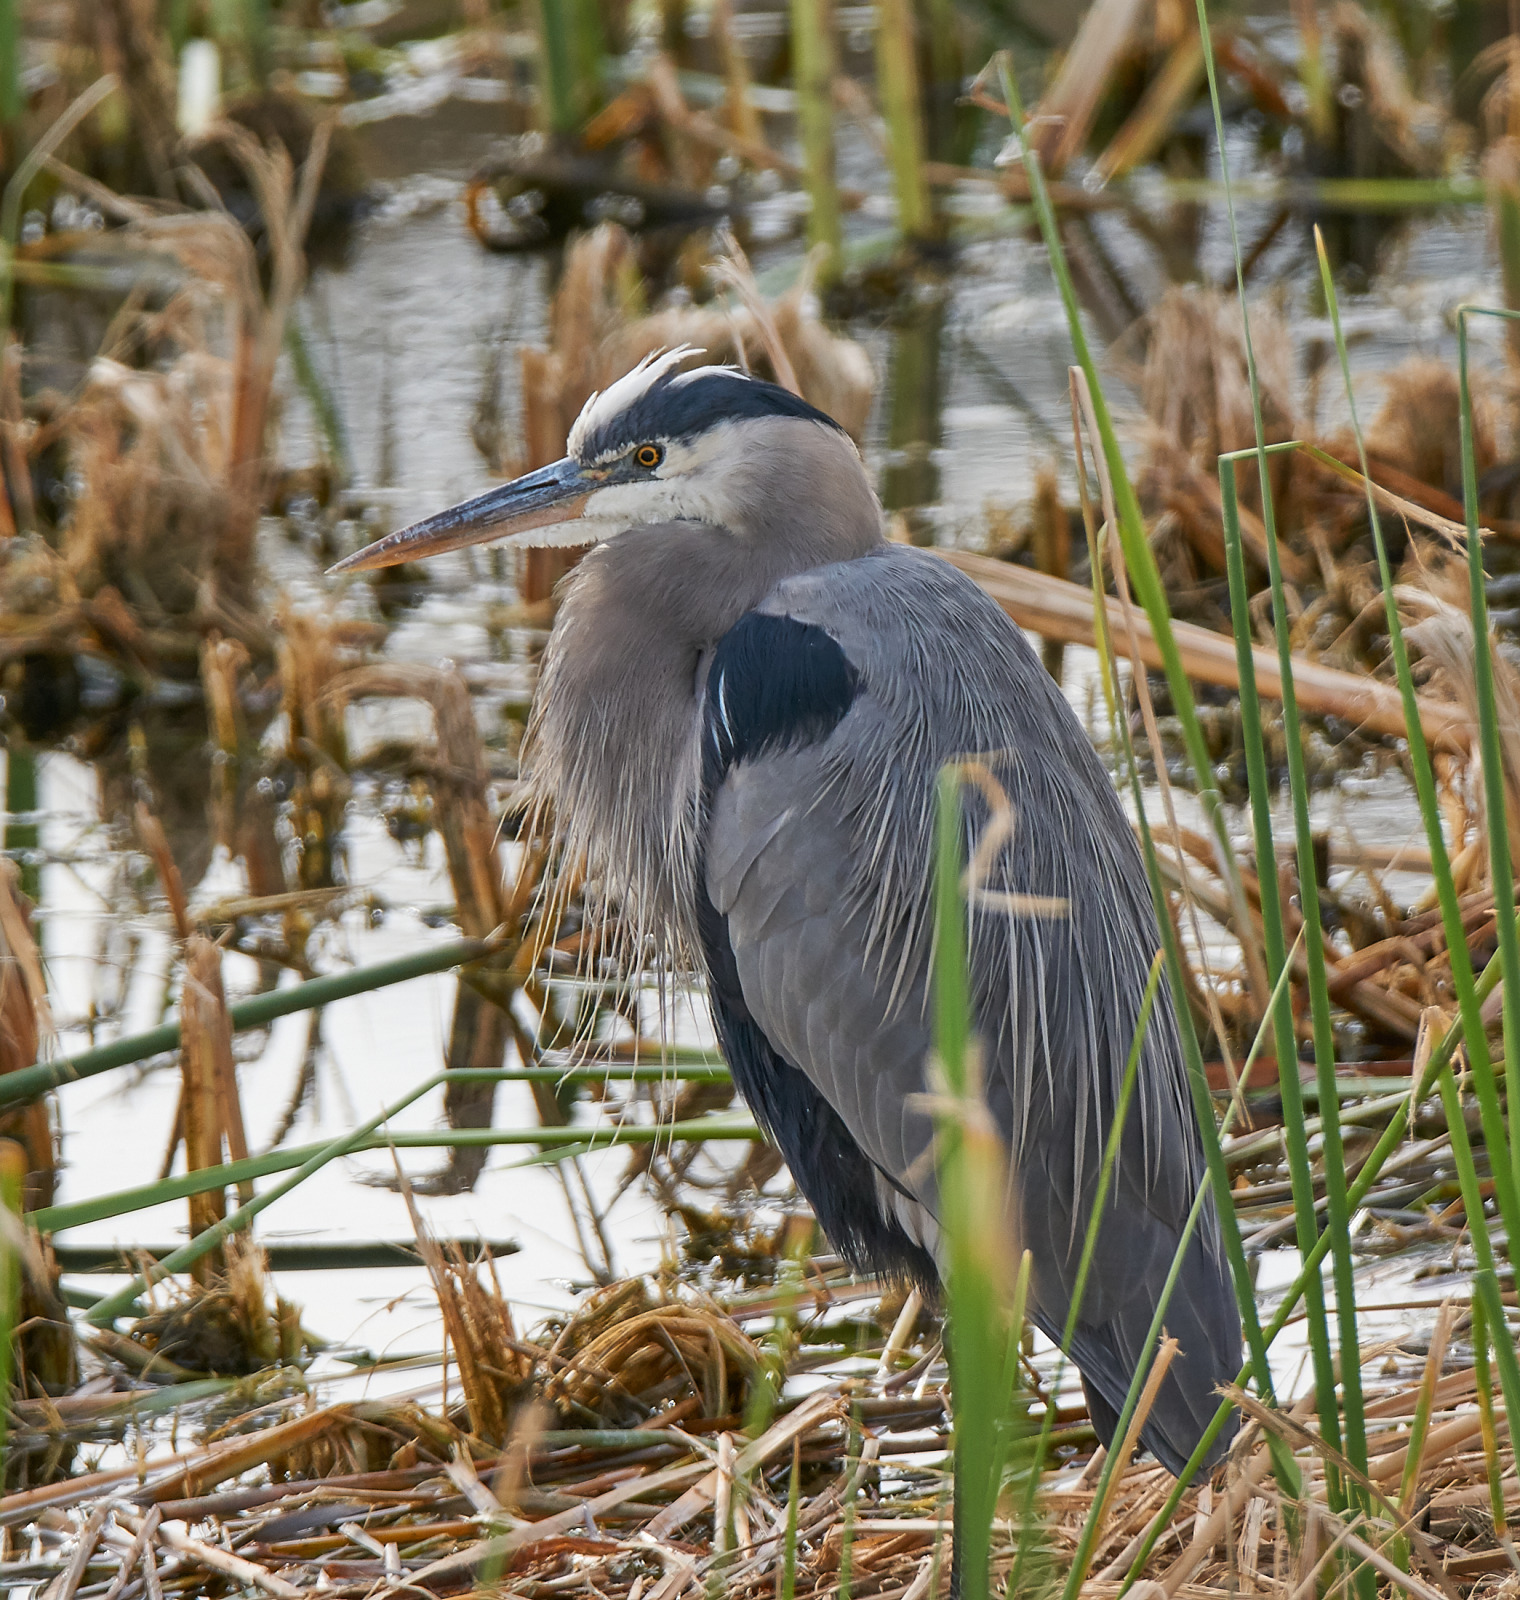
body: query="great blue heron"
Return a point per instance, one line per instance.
(744, 704)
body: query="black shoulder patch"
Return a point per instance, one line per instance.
(774, 683)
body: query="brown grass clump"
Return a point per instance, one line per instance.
(1195, 387)
(1417, 429)
(227, 1327)
(622, 1358)
(166, 437)
(1417, 135)
(596, 335)
(1194, 382)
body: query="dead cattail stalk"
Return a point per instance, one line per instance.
(1050, 544)
(24, 1014)
(813, 70)
(493, 1371)
(1165, 1355)
(286, 204)
(209, 1101)
(897, 81)
(150, 832)
(1064, 117)
(738, 107)
(459, 782)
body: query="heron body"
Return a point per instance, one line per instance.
(745, 704)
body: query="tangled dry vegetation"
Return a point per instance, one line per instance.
(636, 1449)
(666, 1436)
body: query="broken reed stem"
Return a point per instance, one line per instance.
(15, 190)
(12, 1242)
(206, 1035)
(897, 85)
(1501, 177)
(739, 107)
(813, 68)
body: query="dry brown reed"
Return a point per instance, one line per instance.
(461, 810)
(596, 334)
(166, 438)
(1417, 134)
(25, 1018)
(370, 1492)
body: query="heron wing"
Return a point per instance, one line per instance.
(828, 714)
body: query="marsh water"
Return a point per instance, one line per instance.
(412, 336)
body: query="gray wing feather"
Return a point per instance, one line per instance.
(820, 857)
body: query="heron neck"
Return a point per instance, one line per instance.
(613, 748)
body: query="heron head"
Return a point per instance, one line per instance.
(659, 445)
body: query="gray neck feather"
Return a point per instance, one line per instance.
(613, 750)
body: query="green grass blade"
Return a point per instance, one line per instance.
(1354, 1440)
(1388, 1141)
(1488, 1276)
(1274, 940)
(1147, 581)
(789, 1546)
(1501, 868)
(1485, 1385)
(1495, 1127)
(1139, 559)
(1089, 1248)
(1088, 1536)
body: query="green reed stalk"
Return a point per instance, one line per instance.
(967, 1158)
(313, 1158)
(1487, 1278)
(1419, 1427)
(1485, 1386)
(12, 100)
(789, 1545)
(813, 67)
(557, 59)
(1389, 1140)
(1495, 798)
(123, 1300)
(255, 1012)
(321, 398)
(1495, 1129)
(1088, 1537)
(847, 1525)
(562, 1143)
(1333, 1158)
(1284, 1034)
(1139, 559)
(1146, 576)
(12, 1178)
(1084, 1264)
(901, 109)
(22, 839)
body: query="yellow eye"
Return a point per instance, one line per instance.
(649, 456)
